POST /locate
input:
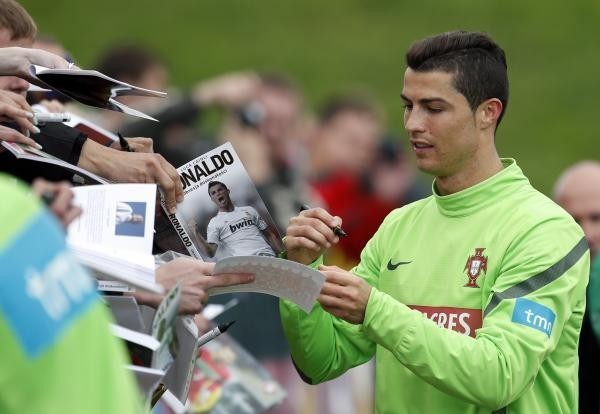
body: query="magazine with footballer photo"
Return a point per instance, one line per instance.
(222, 214)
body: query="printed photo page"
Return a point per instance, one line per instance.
(222, 213)
(118, 217)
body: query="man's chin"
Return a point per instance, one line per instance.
(429, 167)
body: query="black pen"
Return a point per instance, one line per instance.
(337, 230)
(213, 333)
(124, 144)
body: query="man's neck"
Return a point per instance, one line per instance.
(478, 170)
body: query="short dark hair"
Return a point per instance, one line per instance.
(128, 62)
(477, 62)
(15, 19)
(213, 183)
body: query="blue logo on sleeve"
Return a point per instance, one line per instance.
(43, 290)
(534, 315)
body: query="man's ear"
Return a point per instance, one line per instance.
(488, 113)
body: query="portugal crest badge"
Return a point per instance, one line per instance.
(475, 265)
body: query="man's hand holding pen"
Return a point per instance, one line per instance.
(310, 233)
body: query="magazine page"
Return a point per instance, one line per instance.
(179, 375)
(125, 311)
(27, 152)
(119, 217)
(118, 271)
(113, 235)
(146, 341)
(92, 88)
(222, 214)
(227, 379)
(90, 77)
(147, 379)
(163, 329)
(273, 276)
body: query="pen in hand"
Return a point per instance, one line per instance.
(337, 230)
(213, 333)
(124, 144)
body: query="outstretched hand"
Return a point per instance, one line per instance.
(16, 61)
(196, 279)
(14, 108)
(133, 167)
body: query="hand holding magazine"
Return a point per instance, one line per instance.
(223, 219)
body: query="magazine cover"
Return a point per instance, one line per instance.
(222, 214)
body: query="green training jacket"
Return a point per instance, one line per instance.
(57, 354)
(476, 305)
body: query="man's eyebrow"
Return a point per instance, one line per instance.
(425, 100)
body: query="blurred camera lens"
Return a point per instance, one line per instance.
(252, 115)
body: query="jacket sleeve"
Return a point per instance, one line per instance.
(323, 347)
(61, 141)
(594, 297)
(56, 139)
(545, 274)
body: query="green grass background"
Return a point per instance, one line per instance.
(329, 46)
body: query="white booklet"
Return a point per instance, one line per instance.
(222, 214)
(26, 152)
(91, 87)
(113, 236)
(278, 277)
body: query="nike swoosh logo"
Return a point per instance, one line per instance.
(393, 266)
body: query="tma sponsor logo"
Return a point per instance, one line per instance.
(534, 315)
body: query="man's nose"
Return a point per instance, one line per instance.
(414, 121)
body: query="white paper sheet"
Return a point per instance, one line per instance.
(273, 276)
